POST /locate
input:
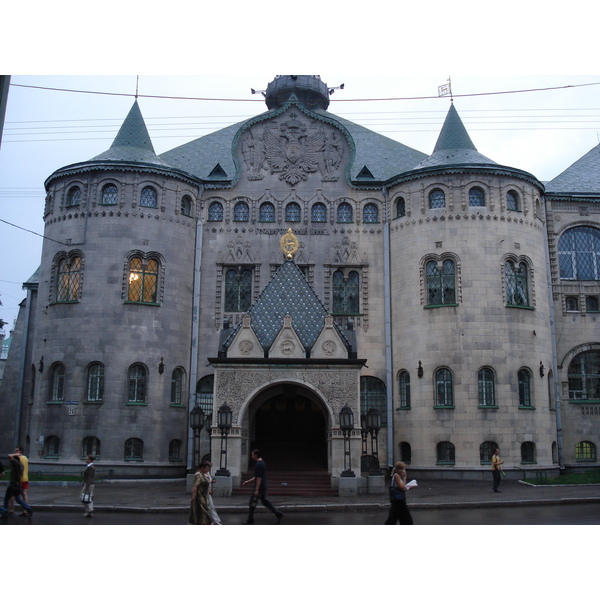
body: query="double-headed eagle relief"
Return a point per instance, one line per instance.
(293, 152)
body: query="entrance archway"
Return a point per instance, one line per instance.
(290, 426)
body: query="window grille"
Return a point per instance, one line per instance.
(579, 254)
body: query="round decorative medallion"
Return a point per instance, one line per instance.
(289, 244)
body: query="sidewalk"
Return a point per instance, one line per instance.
(171, 496)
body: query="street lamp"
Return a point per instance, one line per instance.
(374, 425)
(347, 425)
(364, 433)
(196, 423)
(224, 424)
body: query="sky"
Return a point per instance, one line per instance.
(379, 50)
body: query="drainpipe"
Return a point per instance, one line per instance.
(389, 381)
(195, 329)
(557, 403)
(22, 361)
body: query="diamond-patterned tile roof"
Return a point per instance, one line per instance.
(582, 177)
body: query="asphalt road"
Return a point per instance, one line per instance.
(556, 514)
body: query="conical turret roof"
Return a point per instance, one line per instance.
(133, 143)
(454, 146)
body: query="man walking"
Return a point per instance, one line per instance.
(87, 491)
(14, 487)
(260, 489)
(496, 469)
(24, 479)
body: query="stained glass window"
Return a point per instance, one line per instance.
(344, 213)
(110, 194)
(292, 212)
(241, 212)
(143, 280)
(148, 197)
(318, 213)
(267, 212)
(69, 279)
(476, 197)
(517, 293)
(437, 199)
(371, 213)
(215, 211)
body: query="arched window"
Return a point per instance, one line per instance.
(238, 290)
(318, 213)
(57, 383)
(476, 197)
(405, 452)
(445, 453)
(136, 384)
(585, 451)
(267, 212)
(186, 206)
(177, 387)
(346, 293)
(441, 283)
(512, 200)
(293, 214)
(345, 213)
(51, 446)
(69, 279)
(487, 387)
(204, 396)
(134, 449)
(241, 212)
(148, 198)
(517, 286)
(584, 377)
(437, 199)
(400, 208)
(524, 379)
(95, 383)
(528, 452)
(74, 196)
(404, 388)
(215, 211)
(143, 280)
(90, 447)
(373, 395)
(486, 451)
(110, 194)
(591, 304)
(175, 450)
(579, 254)
(371, 213)
(443, 388)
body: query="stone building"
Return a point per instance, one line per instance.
(296, 265)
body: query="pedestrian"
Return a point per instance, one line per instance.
(260, 489)
(214, 517)
(24, 478)
(496, 469)
(87, 491)
(398, 509)
(199, 509)
(13, 489)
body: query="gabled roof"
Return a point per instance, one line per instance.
(288, 293)
(582, 177)
(454, 146)
(133, 143)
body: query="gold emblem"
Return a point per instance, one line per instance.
(289, 244)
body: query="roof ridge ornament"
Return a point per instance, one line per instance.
(289, 244)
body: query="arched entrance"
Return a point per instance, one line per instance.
(289, 425)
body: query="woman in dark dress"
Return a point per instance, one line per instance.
(398, 509)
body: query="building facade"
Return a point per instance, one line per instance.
(295, 264)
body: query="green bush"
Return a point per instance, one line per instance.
(569, 479)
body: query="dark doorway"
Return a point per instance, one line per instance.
(291, 431)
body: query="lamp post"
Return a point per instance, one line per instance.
(196, 423)
(347, 425)
(364, 433)
(224, 424)
(374, 425)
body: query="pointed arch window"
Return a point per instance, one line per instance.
(293, 213)
(69, 272)
(579, 254)
(371, 213)
(437, 198)
(517, 284)
(267, 212)
(346, 293)
(441, 283)
(318, 213)
(215, 211)
(148, 197)
(345, 213)
(143, 280)
(110, 194)
(238, 290)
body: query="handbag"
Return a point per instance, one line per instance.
(86, 498)
(396, 493)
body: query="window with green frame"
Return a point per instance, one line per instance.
(404, 388)
(134, 449)
(373, 395)
(443, 388)
(584, 377)
(524, 380)
(95, 383)
(487, 387)
(445, 453)
(137, 384)
(585, 451)
(528, 452)
(177, 387)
